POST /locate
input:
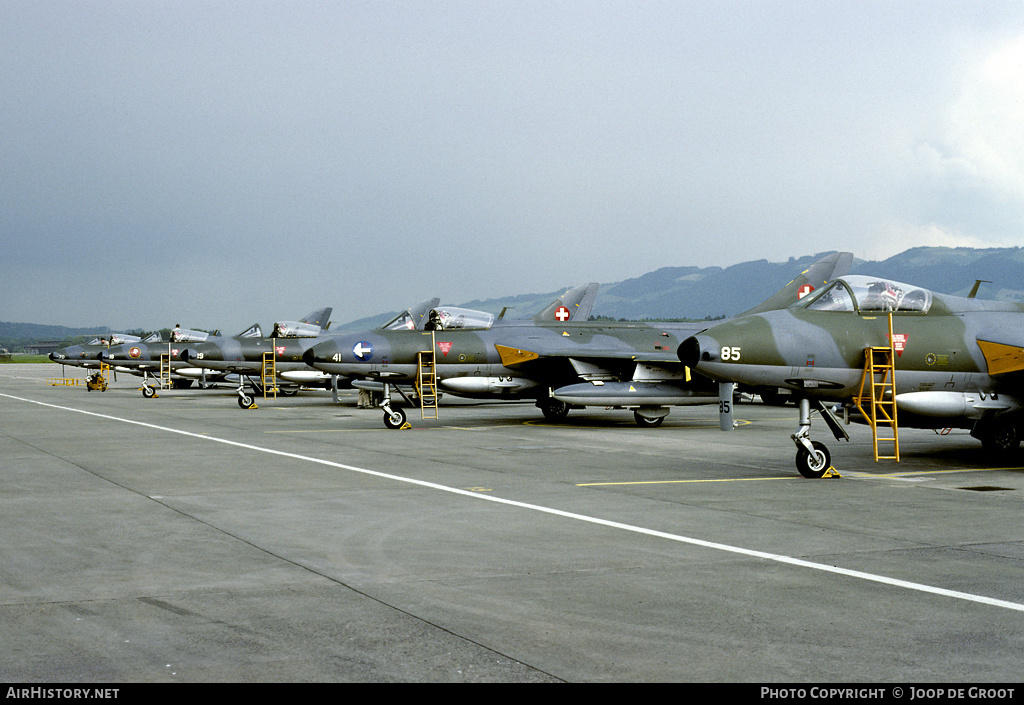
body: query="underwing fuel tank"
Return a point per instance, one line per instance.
(486, 385)
(952, 404)
(630, 394)
(304, 376)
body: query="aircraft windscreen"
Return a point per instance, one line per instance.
(834, 298)
(871, 295)
(402, 321)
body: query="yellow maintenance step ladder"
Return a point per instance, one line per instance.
(426, 381)
(165, 368)
(878, 392)
(268, 374)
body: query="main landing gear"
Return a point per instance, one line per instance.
(553, 409)
(812, 457)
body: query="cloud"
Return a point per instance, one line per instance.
(235, 161)
(987, 121)
(970, 175)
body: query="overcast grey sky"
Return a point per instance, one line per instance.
(219, 163)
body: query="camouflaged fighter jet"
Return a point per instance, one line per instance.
(288, 342)
(144, 358)
(560, 364)
(380, 361)
(949, 362)
(87, 356)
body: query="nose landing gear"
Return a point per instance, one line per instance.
(812, 457)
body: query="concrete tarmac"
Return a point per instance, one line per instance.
(183, 539)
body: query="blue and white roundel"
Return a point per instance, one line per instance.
(362, 350)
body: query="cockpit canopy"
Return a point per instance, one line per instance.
(187, 335)
(451, 318)
(295, 329)
(115, 339)
(869, 295)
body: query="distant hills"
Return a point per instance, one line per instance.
(14, 336)
(696, 293)
(700, 293)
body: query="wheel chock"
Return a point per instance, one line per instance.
(831, 472)
(405, 426)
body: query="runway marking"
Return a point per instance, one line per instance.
(854, 474)
(750, 553)
(911, 473)
(681, 482)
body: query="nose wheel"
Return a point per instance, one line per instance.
(812, 457)
(245, 400)
(393, 418)
(815, 462)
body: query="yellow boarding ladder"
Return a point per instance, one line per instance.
(165, 368)
(426, 381)
(268, 375)
(878, 389)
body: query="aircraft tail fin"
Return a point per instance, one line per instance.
(321, 317)
(574, 305)
(824, 270)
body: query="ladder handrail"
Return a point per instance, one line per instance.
(426, 379)
(269, 363)
(165, 368)
(880, 361)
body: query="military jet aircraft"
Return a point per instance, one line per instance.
(953, 362)
(651, 386)
(244, 357)
(145, 360)
(144, 357)
(631, 365)
(388, 358)
(88, 355)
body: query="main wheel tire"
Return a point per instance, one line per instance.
(554, 410)
(645, 422)
(1001, 438)
(813, 465)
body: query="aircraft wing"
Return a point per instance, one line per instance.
(1003, 351)
(512, 357)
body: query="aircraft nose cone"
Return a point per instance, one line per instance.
(309, 357)
(55, 356)
(697, 349)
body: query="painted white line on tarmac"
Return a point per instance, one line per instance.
(778, 558)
